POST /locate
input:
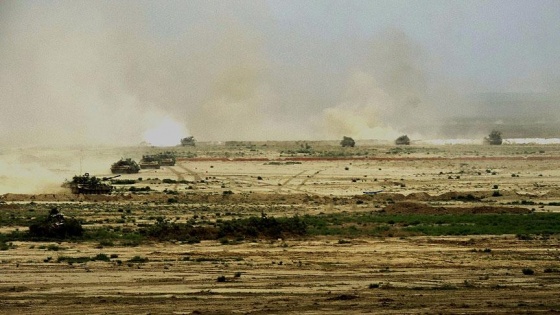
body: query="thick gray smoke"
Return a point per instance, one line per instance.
(106, 72)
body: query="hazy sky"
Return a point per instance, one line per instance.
(120, 72)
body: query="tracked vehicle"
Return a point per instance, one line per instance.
(494, 138)
(402, 140)
(149, 161)
(166, 158)
(158, 160)
(89, 185)
(125, 166)
(188, 141)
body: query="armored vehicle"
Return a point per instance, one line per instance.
(402, 140)
(494, 138)
(166, 158)
(149, 161)
(89, 185)
(188, 141)
(347, 142)
(125, 166)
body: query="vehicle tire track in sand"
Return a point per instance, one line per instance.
(298, 188)
(191, 172)
(179, 175)
(287, 181)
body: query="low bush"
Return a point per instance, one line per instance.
(138, 259)
(252, 227)
(123, 182)
(55, 225)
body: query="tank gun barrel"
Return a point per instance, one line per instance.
(111, 177)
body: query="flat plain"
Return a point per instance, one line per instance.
(420, 229)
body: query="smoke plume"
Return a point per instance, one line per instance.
(105, 72)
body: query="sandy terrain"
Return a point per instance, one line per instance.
(314, 275)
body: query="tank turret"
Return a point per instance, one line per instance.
(125, 166)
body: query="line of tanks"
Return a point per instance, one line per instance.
(92, 185)
(150, 161)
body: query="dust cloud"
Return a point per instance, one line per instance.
(43, 170)
(111, 73)
(100, 73)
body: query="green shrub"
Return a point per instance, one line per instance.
(263, 227)
(55, 225)
(101, 257)
(138, 259)
(72, 260)
(53, 247)
(235, 229)
(6, 246)
(139, 189)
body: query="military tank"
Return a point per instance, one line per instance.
(149, 161)
(89, 185)
(347, 142)
(188, 141)
(402, 140)
(166, 158)
(494, 138)
(125, 166)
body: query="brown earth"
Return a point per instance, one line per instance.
(316, 275)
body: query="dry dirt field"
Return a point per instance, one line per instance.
(391, 272)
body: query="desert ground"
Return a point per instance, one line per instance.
(356, 265)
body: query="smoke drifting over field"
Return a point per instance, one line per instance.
(43, 170)
(76, 72)
(25, 177)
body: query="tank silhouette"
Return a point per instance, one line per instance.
(166, 158)
(402, 140)
(89, 185)
(149, 161)
(188, 141)
(125, 166)
(157, 160)
(347, 142)
(494, 138)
